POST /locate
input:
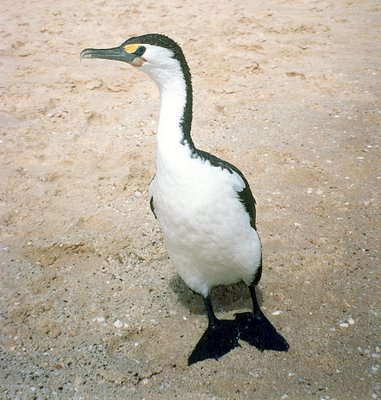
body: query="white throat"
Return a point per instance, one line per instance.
(173, 97)
(172, 88)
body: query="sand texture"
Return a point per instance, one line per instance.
(90, 305)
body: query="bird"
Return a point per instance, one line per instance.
(203, 204)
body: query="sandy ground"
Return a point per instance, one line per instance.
(91, 307)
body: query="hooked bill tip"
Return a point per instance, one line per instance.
(86, 54)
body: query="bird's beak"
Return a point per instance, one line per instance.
(116, 53)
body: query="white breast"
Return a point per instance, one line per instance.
(206, 228)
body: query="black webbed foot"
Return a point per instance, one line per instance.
(258, 331)
(222, 336)
(218, 339)
(255, 329)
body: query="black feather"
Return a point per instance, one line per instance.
(152, 207)
(245, 195)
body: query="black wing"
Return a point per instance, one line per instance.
(152, 207)
(246, 196)
(151, 200)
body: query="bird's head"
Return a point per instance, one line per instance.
(154, 54)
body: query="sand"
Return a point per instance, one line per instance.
(91, 307)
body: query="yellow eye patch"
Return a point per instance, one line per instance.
(131, 48)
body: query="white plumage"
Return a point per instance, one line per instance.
(206, 227)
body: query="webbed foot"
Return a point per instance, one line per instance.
(218, 339)
(258, 331)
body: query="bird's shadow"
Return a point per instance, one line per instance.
(227, 298)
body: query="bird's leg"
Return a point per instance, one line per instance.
(256, 309)
(220, 337)
(257, 330)
(212, 319)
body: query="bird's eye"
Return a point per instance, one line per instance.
(140, 51)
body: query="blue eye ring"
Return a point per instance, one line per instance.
(140, 51)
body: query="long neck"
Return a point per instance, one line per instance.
(175, 107)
